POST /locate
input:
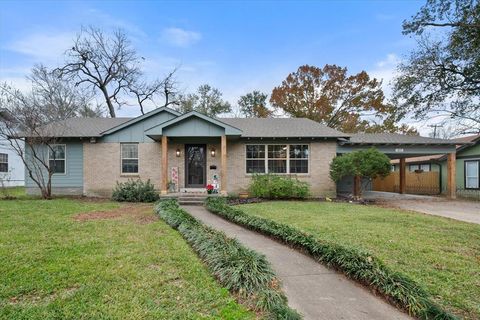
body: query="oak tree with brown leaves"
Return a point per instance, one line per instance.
(329, 95)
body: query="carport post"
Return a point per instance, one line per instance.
(451, 183)
(403, 184)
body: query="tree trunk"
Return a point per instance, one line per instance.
(357, 187)
(111, 108)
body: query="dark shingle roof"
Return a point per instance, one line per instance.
(468, 138)
(393, 138)
(81, 127)
(281, 128)
(251, 127)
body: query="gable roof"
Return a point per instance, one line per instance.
(157, 130)
(282, 128)
(249, 127)
(394, 138)
(140, 118)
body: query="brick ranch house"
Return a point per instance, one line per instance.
(182, 152)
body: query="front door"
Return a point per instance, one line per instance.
(195, 165)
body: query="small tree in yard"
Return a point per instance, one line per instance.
(369, 163)
(24, 124)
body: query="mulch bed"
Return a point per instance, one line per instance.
(142, 213)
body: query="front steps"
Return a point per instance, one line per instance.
(194, 197)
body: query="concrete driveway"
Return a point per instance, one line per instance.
(463, 210)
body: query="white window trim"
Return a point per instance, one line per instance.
(287, 159)
(64, 159)
(6, 154)
(287, 155)
(122, 158)
(478, 174)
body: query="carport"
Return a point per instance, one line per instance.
(398, 146)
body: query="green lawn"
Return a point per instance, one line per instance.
(80, 259)
(440, 254)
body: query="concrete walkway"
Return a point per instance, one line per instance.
(463, 210)
(312, 289)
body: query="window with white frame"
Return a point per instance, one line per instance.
(298, 158)
(3, 162)
(57, 158)
(129, 155)
(255, 158)
(472, 172)
(277, 158)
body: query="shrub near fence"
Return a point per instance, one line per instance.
(356, 264)
(241, 270)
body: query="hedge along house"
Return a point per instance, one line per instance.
(183, 152)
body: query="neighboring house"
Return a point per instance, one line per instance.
(181, 152)
(467, 166)
(12, 169)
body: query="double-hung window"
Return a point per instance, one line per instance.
(3, 162)
(299, 158)
(277, 158)
(57, 158)
(129, 157)
(255, 158)
(472, 172)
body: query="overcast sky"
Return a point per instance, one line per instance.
(235, 46)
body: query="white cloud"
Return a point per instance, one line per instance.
(385, 70)
(43, 47)
(180, 37)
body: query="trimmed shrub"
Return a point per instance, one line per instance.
(239, 269)
(135, 191)
(270, 186)
(356, 264)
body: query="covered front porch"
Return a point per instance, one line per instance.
(193, 153)
(402, 147)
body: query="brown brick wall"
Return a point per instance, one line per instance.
(102, 166)
(321, 154)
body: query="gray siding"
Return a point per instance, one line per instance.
(194, 127)
(136, 131)
(73, 178)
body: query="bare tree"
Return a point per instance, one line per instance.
(166, 88)
(56, 97)
(24, 125)
(104, 63)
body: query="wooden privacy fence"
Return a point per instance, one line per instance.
(416, 182)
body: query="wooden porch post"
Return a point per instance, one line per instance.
(164, 188)
(403, 184)
(451, 183)
(223, 170)
(357, 186)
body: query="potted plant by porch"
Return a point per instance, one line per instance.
(210, 188)
(171, 186)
